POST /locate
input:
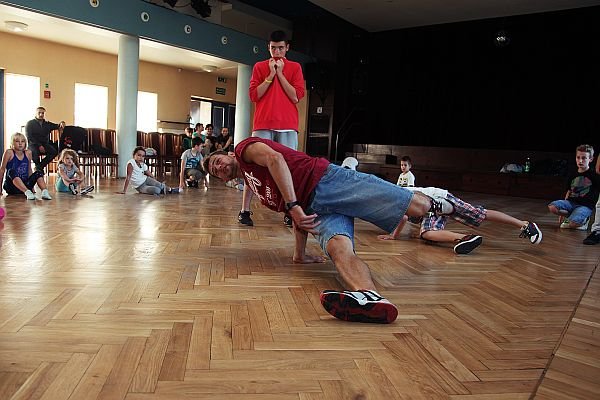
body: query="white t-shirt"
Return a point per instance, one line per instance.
(138, 176)
(406, 179)
(429, 191)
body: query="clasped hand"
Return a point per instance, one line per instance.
(305, 222)
(276, 65)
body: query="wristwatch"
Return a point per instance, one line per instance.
(290, 205)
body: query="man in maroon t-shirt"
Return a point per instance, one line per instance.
(323, 199)
(276, 87)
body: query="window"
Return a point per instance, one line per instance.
(22, 98)
(147, 111)
(200, 111)
(91, 106)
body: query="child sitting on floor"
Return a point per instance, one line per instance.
(20, 179)
(575, 210)
(191, 165)
(69, 174)
(141, 178)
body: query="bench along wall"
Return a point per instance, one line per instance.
(473, 170)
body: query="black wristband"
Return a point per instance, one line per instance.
(290, 205)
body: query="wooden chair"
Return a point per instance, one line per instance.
(102, 144)
(76, 138)
(141, 137)
(169, 148)
(152, 140)
(109, 163)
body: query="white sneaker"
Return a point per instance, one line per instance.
(584, 226)
(46, 195)
(566, 225)
(29, 194)
(441, 206)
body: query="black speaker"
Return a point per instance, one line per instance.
(317, 75)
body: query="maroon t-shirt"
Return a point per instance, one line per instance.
(306, 173)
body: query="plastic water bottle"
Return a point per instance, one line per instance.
(527, 165)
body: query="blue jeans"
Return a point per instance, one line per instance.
(288, 138)
(152, 186)
(577, 213)
(343, 194)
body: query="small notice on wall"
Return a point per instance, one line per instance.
(220, 90)
(47, 94)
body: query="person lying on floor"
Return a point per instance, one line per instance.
(433, 227)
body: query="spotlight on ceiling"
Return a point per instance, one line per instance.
(16, 26)
(502, 39)
(201, 7)
(171, 2)
(209, 68)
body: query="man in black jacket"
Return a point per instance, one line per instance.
(38, 138)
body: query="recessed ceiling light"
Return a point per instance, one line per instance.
(16, 26)
(209, 68)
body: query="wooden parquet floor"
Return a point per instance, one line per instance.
(145, 298)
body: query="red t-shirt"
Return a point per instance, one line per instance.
(275, 110)
(306, 173)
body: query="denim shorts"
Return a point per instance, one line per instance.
(343, 194)
(577, 213)
(288, 138)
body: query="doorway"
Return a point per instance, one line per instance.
(212, 112)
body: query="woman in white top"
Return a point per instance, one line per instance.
(141, 179)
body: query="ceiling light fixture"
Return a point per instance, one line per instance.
(502, 39)
(16, 26)
(209, 68)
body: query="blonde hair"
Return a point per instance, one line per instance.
(14, 136)
(68, 152)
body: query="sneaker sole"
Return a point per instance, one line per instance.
(538, 239)
(87, 190)
(346, 308)
(468, 245)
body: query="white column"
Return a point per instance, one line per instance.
(127, 88)
(243, 105)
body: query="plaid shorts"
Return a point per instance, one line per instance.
(464, 212)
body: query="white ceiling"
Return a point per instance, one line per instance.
(92, 38)
(385, 15)
(371, 15)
